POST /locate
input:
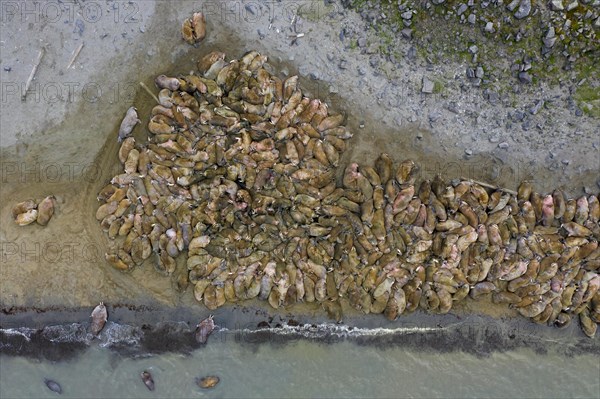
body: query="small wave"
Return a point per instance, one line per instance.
(22, 331)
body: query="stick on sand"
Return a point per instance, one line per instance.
(32, 74)
(75, 55)
(149, 92)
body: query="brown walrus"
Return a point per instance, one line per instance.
(99, 317)
(204, 329)
(148, 380)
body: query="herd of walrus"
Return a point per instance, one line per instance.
(240, 175)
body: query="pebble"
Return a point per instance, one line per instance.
(479, 72)
(473, 49)
(494, 139)
(470, 73)
(343, 64)
(536, 108)
(512, 5)
(436, 2)
(557, 5)
(524, 9)
(503, 145)
(362, 42)
(374, 61)
(461, 9)
(427, 85)
(406, 33)
(525, 77)
(472, 19)
(7, 69)
(362, 71)
(407, 15)
(434, 116)
(469, 151)
(572, 6)
(489, 27)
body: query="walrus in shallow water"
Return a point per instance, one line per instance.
(204, 329)
(53, 386)
(207, 382)
(99, 317)
(148, 380)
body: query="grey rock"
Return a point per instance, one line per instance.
(407, 15)
(261, 34)
(473, 49)
(572, 6)
(525, 77)
(470, 73)
(436, 2)
(333, 89)
(362, 42)
(479, 72)
(491, 96)
(472, 19)
(489, 27)
(557, 5)
(453, 107)
(362, 71)
(343, 64)
(461, 9)
(524, 9)
(513, 4)
(427, 85)
(330, 57)
(406, 33)
(518, 115)
(468, 151)
(536, 108)
(434, 116)
(374, 61)
(250, 8)
(549, 41)
(503, 145)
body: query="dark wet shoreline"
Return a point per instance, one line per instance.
(63, 334)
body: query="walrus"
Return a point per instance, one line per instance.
(148, 380)
(99, 317)
(45, 210)
(204, 329)
(128, 123)
(207, 382)
(53, 386)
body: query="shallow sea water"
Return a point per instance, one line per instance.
(304, 368)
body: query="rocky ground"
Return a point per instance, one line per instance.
(469, 90)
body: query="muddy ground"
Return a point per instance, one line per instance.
(61, 138)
